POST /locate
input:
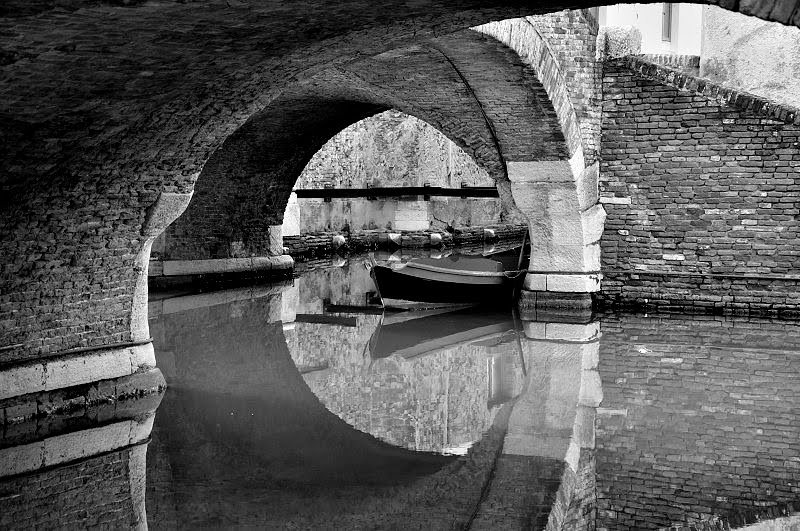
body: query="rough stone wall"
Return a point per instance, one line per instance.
(391, 149)
(94, 492)
(704, 433)
(748, 54)
(359, 214)
(702, 201)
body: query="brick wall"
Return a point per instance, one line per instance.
(699, 420)
(571, 36)
(702, 201)
(94, 492)
(99, 118)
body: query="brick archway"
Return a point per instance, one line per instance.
(107, 125)
(468, 86)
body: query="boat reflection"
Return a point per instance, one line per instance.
(426, 380)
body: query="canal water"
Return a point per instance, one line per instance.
(304, 406)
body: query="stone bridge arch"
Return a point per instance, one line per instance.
(106, 128)
(471, 87)
(561, 200)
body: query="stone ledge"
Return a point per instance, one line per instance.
(673, 60)
(562, 332)
(681, 80)
(181, 303)
(62, 448)
(587, 282)
(577, 306)
(68, 370)
(225, 265)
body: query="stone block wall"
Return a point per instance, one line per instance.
(407, 213)
(702, 200)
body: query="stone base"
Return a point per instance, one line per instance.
(556, 306)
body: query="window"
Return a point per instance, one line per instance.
(666, 22)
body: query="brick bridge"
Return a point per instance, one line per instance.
(114, 115)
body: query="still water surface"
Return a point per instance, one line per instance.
(302, 406)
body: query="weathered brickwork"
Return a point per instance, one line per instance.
(469, 86)
(75, 241)
(704, 433)
(572, 36)
(95, 492)
(702, 201)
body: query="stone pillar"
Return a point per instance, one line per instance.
(567, 356)
(565, 223)
(164, 211)
(554, 416)
(275, 240)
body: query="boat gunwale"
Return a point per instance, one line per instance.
(459, 272)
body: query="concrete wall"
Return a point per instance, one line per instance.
(748, 54)
(687, 24)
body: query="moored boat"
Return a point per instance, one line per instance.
(454, 279)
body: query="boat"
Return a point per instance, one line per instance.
(453, 279)
(415, 333)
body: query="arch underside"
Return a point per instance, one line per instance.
(469, 86)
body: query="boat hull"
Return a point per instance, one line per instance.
(426, 286)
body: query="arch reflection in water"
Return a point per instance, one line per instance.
(282, 412)
(662, 421)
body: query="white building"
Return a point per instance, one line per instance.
(738, 51)
(666, 28)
